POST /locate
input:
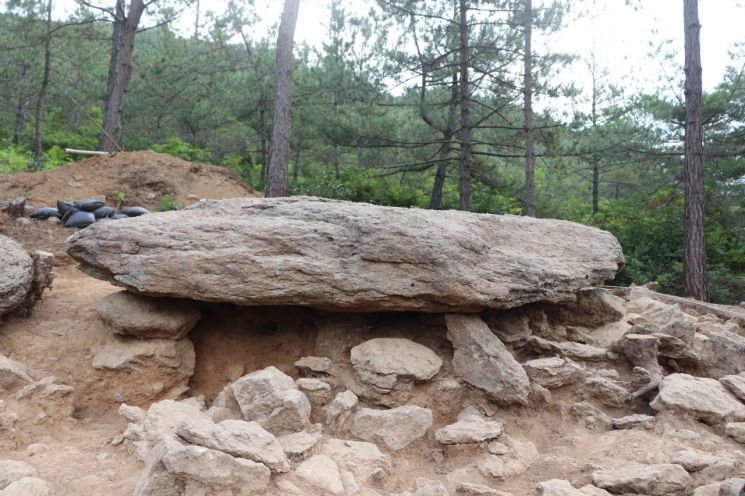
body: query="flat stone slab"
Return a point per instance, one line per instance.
(348, 256)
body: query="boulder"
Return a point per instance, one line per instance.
(723, 354)
(321, 472)
(140, 354)
(654, 480)
(380, 362)
(271, 398)
(703, 398)
(734, 486)
(553, 372)
(340, 255)
(142, 317)
(299, 443)
(736, 430)
(735, 384)
(469, 429)
(395, 428)
(16, 275)
(13, 470)
(482, 360)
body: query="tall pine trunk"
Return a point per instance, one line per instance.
(120, 72)
(695, 281)
(280, 146)
(530, 202)
(465, 110)
(44, 85)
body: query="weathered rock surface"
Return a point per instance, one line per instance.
(341, 255)
(482, 360)
(594, 307)
(638, 421)
(382, 361)
(133, 315)
(23, 277)
(13, 374)
(556, 487)
(362, 459)
(553, 372)
(339, 410)
(27, 486)
(654, 480)
(469, 429)
(736, 430)
(237, 438)
(735, 384)
(576, 351)
(700, 397)
(298, 443)
(723, 354)
(310, 365)
(271, 398)
(429, 487)
(693, 460)
(606, 392)
(321, 472)
(395, 428)
(13, 470)
(137, 354)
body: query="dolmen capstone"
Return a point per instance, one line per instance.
(345, 256)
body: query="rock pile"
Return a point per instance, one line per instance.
(416, 404)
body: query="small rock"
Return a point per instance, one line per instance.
(469, 429)
(313, 385)
(724, 354)
(736, 430)
(312, 366)
(654, 480)
(145, 317)
(703, 398)
(556, 487)
(594, 307)
(732, 487)
(481, 360)
(322, 472)
(553, 372)
(13, 470)
(509, 325)
(396, 428)
(708, 489)
(606, 392)
(382, 361)
(340, 409)
(575, 351)
(467, 489)
(634, 422)
(272, 399)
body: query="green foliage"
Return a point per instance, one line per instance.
(167, 202)
(13, 159)
(181, 149)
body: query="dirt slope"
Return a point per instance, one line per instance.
(143, 177)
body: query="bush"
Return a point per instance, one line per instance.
(166, 203)
(181, 149)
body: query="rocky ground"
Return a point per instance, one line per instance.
(623, 392)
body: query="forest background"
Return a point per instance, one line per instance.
(376, 110)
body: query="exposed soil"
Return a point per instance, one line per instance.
(141, 178)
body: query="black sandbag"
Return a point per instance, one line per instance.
(134, 211)
(88, 205)
(45, 213)
(80, 219)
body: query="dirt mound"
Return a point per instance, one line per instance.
(141, 177)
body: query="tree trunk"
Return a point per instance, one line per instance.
(298, 152)
(120, 72)
(447, 146)
(280, 147)
(262, 136)
(595, 188)
(530, 202)
(465, 111)
(695, 283)
(44, 85)
(20, 118)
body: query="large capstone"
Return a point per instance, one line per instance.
(347, 256)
